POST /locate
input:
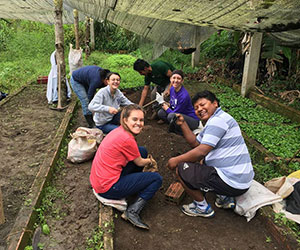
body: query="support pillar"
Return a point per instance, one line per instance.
(92, 32)
(196, 54)
(87, 37)
(76, 28)
(60, 57)
(251, 64)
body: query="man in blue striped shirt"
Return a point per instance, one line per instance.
(219, 161)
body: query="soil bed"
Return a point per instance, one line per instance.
(76, 216)
(27, 127)
(169, 228)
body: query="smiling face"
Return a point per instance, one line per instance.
(114, 82)
(176, 81)
(135, 121)
(204, 108)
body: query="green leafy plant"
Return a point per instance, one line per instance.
(95, 241)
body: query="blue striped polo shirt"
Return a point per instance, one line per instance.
(229, 156)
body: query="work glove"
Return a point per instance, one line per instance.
(159, 98)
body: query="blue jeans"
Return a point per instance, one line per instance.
(111, 125)
(80, 91)
(134, 181)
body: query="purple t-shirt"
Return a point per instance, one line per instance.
(180, 102)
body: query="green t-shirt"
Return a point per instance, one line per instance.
(159, 73)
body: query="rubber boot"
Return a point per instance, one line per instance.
(90, 121)
(133, 211)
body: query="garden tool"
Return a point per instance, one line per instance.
(159, 98)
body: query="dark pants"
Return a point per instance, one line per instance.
(134, 181)
(111, 125)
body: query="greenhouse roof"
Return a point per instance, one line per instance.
(171, 22)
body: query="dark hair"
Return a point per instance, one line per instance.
(178, 72)
(112, 73)
(126, 113)
(103, 73)
(140, 65)
(207, 95)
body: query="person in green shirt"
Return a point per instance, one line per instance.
(159, 73)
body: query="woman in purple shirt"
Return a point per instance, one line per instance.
(180, 103)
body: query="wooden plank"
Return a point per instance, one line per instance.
(106, 224)
(2, 217)
(251, 64)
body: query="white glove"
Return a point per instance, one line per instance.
(159, 98)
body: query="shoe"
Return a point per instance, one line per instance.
(193, 210)
(225, 202)
(120, 205)
(132, 214)
(160, 122)
(90, 121)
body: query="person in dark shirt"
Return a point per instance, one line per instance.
(85, 81)
(159, 73)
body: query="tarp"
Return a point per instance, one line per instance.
(172, 22)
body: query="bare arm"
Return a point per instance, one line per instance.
(144, 95)
(141, 161)
(194, 155)
(167, 91)
(187, 132)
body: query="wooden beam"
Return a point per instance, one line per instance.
(2, 218)
(87, 37)
(59, 45)
(196, 54)
(92, 32)
(251, 64)
(76, 28)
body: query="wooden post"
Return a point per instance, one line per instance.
(92, 31)
(59, 44)
(76, 28)
(251, 64)
(2, 218)
(196, 54)
(87, 37)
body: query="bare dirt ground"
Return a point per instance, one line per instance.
(27, 127)
(169, 227)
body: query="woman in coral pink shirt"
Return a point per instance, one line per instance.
(117, 167)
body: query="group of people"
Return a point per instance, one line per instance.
(218, 161)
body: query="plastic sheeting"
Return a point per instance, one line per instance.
(172, 22)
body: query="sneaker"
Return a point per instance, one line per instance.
(120, 205)
(225, 202)
(193, 210)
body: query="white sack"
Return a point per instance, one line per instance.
(256, 197)
(84, 144)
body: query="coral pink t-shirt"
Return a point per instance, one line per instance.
(115, 151)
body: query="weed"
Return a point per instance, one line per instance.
(96, 240)
(268, 239)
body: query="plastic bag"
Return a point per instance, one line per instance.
(75, 59)
(84, 144)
